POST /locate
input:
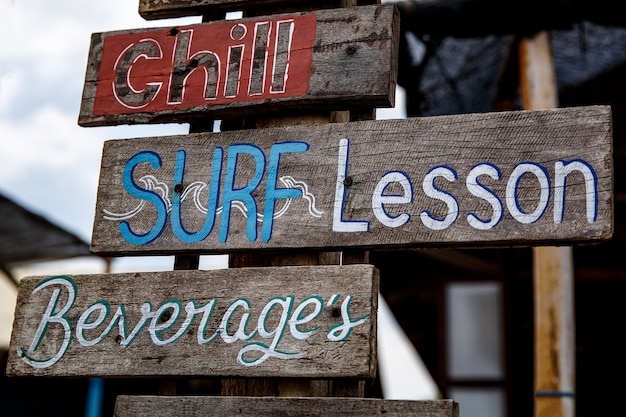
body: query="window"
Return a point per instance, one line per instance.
(475, 348)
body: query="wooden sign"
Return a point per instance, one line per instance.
(183, 406)
(250, 322)
(510, 178)
(160, 9)
(328, 59)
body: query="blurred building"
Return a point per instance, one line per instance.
(469, 313)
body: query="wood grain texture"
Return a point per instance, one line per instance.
(411, 147)
(153, 406)
(353, 65)
(159, 9)
(326, 330)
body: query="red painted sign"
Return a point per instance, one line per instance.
(205, 64)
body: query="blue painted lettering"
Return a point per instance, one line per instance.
(271, 192)
(243, 194)
(214, 189)
(133, 189)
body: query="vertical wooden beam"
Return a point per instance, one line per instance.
(187, 262)
(552, 266)
(554, 332)
(169, 386)
(297, 387)
(285, 387)
(183, 262)
(537, 79)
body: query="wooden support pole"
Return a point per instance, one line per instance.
(537, 78)
(298, 387)
(169, 386)
(274, 387)
(552, 266)
(189, 262)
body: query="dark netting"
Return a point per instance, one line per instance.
(455, 59)
(450, 75)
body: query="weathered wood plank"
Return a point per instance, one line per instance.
(154, 406)
(331, 59)
(333, 186)
(298, 322)
(159, 9)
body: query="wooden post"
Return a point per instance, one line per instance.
(553, 266)
(298, 387)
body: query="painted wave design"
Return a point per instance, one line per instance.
(194, 191)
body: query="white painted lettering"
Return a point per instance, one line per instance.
(342, 330)
(288, 318)
(435, 192)
(512, 192)
(50, 317)
(561, 171)
(340, 225)
(379, 199)
(479, 190)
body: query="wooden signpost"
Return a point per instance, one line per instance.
(252, 322)
(328, 60)
(511, 178)
(153, 406)
(159, 9)
(464, 180)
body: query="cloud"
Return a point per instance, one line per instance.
(45, 60)
(47, 162)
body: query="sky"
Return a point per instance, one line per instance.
(50, 165)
